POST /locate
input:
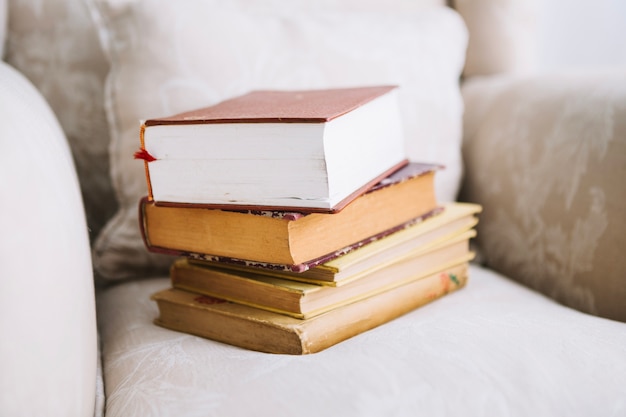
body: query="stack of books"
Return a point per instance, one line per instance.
(296, 220)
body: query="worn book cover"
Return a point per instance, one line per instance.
(305, 300)
(272, 106)
(265, 331)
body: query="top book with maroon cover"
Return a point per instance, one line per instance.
(307, 150)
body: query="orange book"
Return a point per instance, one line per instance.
(290, 240)
(418, 238)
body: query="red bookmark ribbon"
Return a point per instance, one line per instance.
(143, 154)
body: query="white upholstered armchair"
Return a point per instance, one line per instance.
(544, 154)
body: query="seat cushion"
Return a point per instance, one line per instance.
(172, 57)
(492, 348)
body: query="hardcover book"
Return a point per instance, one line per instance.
(266, 331)
(291, 240)
(416, 238)
(305, 300)
(312, 150)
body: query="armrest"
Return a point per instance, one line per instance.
(546, 157)
(48, 353)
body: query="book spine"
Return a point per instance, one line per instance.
(146, 157)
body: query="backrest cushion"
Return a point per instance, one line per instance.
(54, 43)
(168, 57)
(502, 35)
(48, 353)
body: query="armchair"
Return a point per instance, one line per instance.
(539, 329)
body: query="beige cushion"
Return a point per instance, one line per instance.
(48, 352)
(503, 35)
(170, 57)
(546, 157)
(55, 44)
(492, 348)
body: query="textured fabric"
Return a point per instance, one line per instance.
(100, 398)
(492, 348)
(503, 35)
(54, 43)
(171, 57)
(3, 26)
(48, 352)
(546, 157)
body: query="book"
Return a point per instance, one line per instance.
(420, 237)
(256, 329)
(291, 240)
(314, 150)
(304, 300)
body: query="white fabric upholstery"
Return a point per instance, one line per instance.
(492, 348)
(48, 351)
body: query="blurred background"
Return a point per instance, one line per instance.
(581, 34)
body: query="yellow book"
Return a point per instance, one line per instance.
(455, 219)
(302, 300)
(265, 331)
